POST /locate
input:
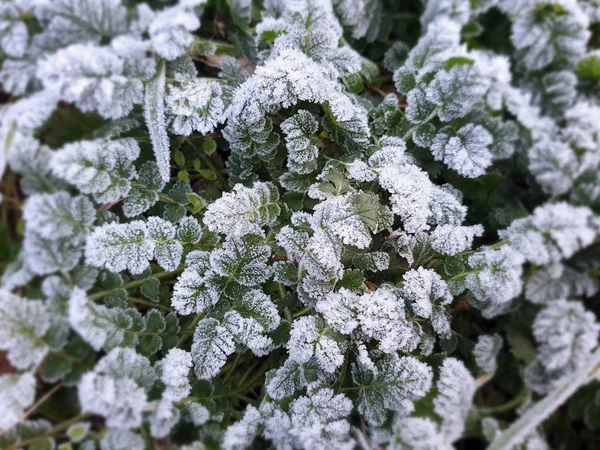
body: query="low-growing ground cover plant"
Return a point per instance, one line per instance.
(300, 224)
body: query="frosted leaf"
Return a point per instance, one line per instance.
(198, 413)
(117, 388)
(258, 306)
(44, 256)
(496, 278)
(17, 392)
(457, 91)
(386, 116)
(428, 295)
(486, 351)
(554, 231)
(416, 433)
(307, 341)
(554, 165)
(458, 11)
(446, 206)
(154, 115)
(115, 439)
(360, 171)
(353, 217)
(194, 290)
(410, 190)
(176, 366)
(32, 162)
(556, 281)
(14, 36)
(212, 345)
(248, 332)
(24, 324)
(371, 261)
(277, 425)
(102, 168)
(97, 84)
(382, 316)
(243, 260)
(189, 230)
(170, 31)
(560, 89)
(291, 377)
(466, 151)
(98, 325)
(17, 273)
(163, 419)
(240, 435)
(255, 313)
(395, 56)
(545, 32)
(420, 108)
(195, 104)
(319, 421)
(28, 113)
(363, 17)
(244, 210)
(391, 154)
(566, 333)
(167, 249)
(456, 387)
(451, 239)
(581, 130)
(16, 76)
(119, 247)
(311, 27)
(70, 21)
(299, 131)
(144, 193)
(338, 309)
(394, 386)
(59, 215)
(347, 122)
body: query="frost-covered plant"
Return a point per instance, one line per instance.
(312, 224)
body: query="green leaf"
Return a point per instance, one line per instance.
(78, 431)
(209, 146)
(55, 368)
(588, 69)
(179, 158)
(208, 174)
(353, 83)
(198, 203)
(520, 345)
(149, 345)
(151, 289)
(353, 279)
(43, 444)
(173, 213)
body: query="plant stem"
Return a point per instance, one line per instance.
(57, 429)
(183, 339)
(237, 358)
(133, 284)
(343, 373)
(515, 402)
(428, 119)
(301, 312)
(536, 414)
(36, 405)
(141, 301)
(261, 370)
